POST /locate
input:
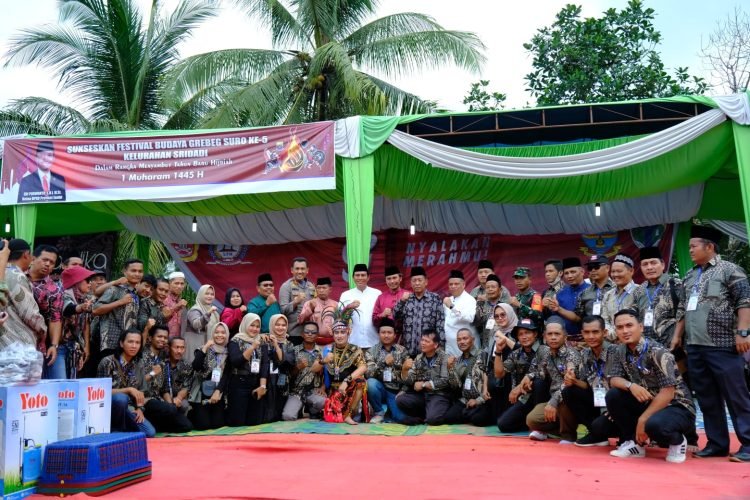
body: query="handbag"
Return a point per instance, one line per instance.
(208, 387)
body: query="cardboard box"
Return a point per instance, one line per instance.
(28, 423)
(85, 407)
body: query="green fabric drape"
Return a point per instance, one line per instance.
(359, 200)
(143, 250)
(24, 219)
(682, 248)
(742, 146)
(400, 176)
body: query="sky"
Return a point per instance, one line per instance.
(503, 26)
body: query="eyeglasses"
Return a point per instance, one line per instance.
(498, 316)
(593, 267)
(310, 332)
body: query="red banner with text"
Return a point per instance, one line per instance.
(227, 266)
(288, 158)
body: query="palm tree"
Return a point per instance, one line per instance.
(318, 69)
(107, 59)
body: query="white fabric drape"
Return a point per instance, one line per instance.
(346, 137)
(451, 217)
(638, 151)
(735, 106)
(737, 230)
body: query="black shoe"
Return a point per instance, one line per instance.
(591, 440)
(740, 457)
(710, 452)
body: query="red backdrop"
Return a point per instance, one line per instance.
(239, 266)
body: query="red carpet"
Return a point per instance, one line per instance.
(362, 467)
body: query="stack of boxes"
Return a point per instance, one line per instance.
(33, 416)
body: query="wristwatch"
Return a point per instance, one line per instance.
(742, 333)
(152, 374)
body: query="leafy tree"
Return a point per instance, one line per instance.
(108, 59)
(610, 58)
(321, 66)
(479, 99)
(727, 51)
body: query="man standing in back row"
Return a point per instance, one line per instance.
(717, 319)
(419, 311)
(293, 295)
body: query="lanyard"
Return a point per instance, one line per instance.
(129, 372)
(621, 299)
(652, 297)
(169, 377)
(430, 362)
(560, 367)
(697, 284)
(640, 358)
(599, 368)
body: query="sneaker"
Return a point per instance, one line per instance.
(377, 419)
(677, 452)
(537, 436)
(629, 449)
(565, 441)
(591, 440)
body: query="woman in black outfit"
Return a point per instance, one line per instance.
(249, 367)
(210, 380)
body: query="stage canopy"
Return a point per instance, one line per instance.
(517, 172)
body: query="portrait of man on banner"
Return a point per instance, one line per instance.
(42, 184)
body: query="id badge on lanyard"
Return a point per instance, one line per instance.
(255, 366)
(648, 319)
(467, 384)
(216, 375)
(387, 375)
(490, 324)
(692, 304)
(600, 394)
(596, 310)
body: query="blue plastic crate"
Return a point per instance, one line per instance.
(95, 463)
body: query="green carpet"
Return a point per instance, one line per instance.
(306, 426)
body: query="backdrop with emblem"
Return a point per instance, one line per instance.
(226, 266)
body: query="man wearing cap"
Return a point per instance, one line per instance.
(387, 300)
(553, 362)
(660, 300)
(484, 320)
(621, 296)
(513, 365)
(174, 305)
(25, 324)
(527, 302)
(320, 310)
(293, 295)
(49, 297)
(264, 304)
(553, 273)
(717, 319)
(566, 299)
(361, 298)
(419, 311)
(484, 269)
(590, 300)
(459, 309)
(385, 361)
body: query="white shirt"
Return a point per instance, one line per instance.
(363, 333)
(461, 316)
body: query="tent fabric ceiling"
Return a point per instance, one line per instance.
(452, 217)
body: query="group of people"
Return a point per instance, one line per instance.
(621, 359)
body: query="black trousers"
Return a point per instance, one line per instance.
(513, 419)
(666, 427)
(166, 417)
(479, 416)
(718, 377)
(207, 416)
(581, 403)
(421, 407)
(242, 407)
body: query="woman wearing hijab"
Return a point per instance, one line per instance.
(282, 361)
(249, 367)
(234, 310)
(210, 380)
(506, 320)
(200, 319)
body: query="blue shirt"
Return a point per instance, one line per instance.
(568, 298)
